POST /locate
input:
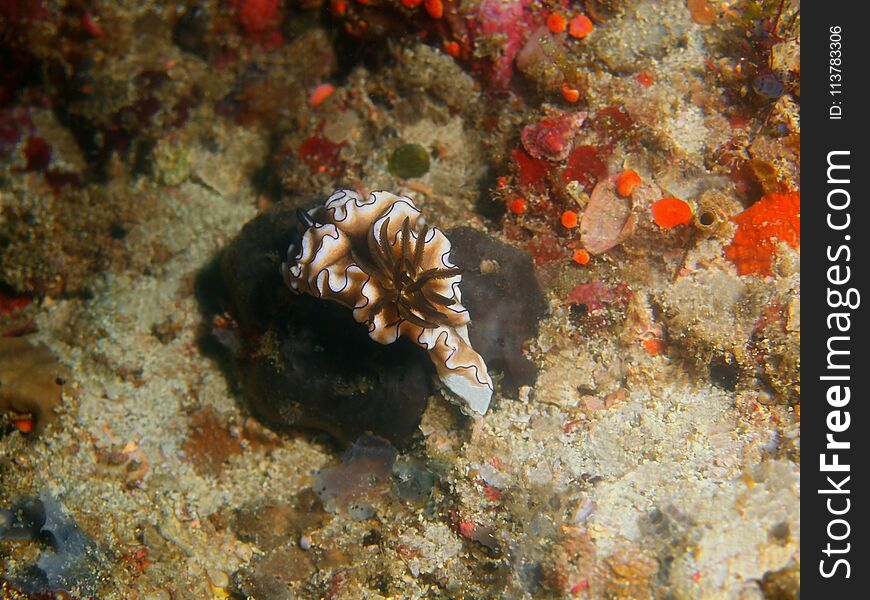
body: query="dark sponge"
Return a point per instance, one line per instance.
(250, 267)
(505, 303)
(304, 362)
(317, 367)
(70, 561)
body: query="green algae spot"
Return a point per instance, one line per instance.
(409, 160)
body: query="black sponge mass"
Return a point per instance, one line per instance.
(305, 362)
(317, 367)
(250, 267)
(501, 292)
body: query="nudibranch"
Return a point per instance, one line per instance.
(377, 257)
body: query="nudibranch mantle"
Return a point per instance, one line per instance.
(377, 257)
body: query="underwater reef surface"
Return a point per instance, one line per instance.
(620, 185)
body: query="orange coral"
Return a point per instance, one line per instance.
(581, 257)
(517, 206)
(776, 217)
(569, 219)
(670, 212)
(580, 26)
(556, 23)
(628, 180)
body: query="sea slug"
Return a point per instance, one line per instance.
(377, 257)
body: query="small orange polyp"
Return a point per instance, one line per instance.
(569, 219)
(452, 48)
(570, 94)
(580, 26)
(645, 79)
(435, 8)
(581, 257)
(626, 183)
(653, 346)
(556, 23)
(517, 206)
(320, 94)
(24, 425)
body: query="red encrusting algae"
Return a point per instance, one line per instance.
(532, 172)
(553, 136)
(11, 303)
(258, 17)
(774, 218)
(37, 152)
(322, 155)
(586, 166)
